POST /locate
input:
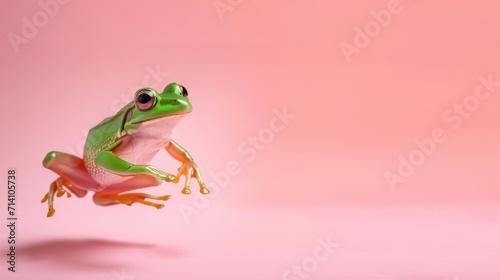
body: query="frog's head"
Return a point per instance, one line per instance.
(152, 107)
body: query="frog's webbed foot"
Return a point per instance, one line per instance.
(56, 188)
(128, 199)
(189, 169)
(73, 177)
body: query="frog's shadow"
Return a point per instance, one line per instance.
(94, 253)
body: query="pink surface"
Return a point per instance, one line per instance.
(375, 89)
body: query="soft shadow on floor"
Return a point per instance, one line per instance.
(93, 253)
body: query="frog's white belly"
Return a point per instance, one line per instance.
(139, 148)
(138, 151)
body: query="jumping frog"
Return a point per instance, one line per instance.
(118, 150)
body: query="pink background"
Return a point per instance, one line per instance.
(323, 175)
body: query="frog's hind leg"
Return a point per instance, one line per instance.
(73, 174)
(112, 194)
(106, 199)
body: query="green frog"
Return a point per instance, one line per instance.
(118, 150)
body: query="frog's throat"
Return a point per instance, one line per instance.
(153, 120)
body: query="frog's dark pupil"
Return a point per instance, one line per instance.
(143, 98)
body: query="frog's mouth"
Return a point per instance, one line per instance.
(175, 118)
(155, 127)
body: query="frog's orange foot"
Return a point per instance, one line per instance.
(129, 199)
(190, 170)
(57, 188)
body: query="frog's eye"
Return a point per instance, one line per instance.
(184, 91)
(144, 99)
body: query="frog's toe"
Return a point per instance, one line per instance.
(128, 203)
(204, 190)
(170, 178)
(164, 197)
(51, 212)
(62, 192)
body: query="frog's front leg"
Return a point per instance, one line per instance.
(113, 163)
(188, 168)
(73, 176)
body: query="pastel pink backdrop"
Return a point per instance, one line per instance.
(323, 175)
